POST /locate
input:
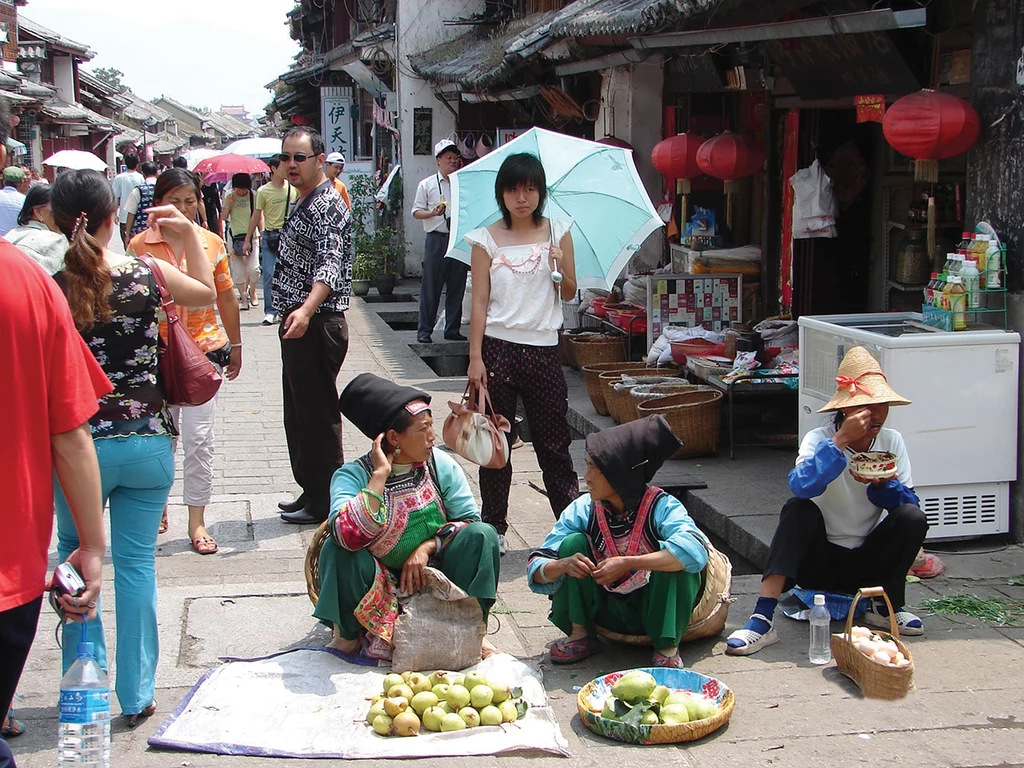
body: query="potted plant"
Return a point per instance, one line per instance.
(364, 268)
(380, 246)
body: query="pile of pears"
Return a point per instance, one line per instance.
(637, 699)
(443, 701)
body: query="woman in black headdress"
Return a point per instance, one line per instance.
(626, 556)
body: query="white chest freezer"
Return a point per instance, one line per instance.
(961, 431)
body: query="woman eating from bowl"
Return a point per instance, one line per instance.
(395, 510)
(842, 531)
(627, 556)
(523, 269)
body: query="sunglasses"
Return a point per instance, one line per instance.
(284, 157)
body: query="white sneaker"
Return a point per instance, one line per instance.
(502, 544)
(269, 319)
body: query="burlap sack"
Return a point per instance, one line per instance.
(440, 627)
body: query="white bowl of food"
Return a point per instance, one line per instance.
(874, 465)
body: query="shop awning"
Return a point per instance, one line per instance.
(620, 17)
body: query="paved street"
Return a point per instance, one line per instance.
(250, 600)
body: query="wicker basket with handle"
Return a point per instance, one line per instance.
(694, 417)
(619, 401)
(590, 378)
(875, 680)
(657, 391)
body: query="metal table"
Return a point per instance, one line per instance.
(730, 390)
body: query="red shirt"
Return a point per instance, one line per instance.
(50, 384)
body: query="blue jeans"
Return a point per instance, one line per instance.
(136, 474)
(268, 257)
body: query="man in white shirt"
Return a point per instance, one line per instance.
(431, 207)
(123, 185)
(11, 200)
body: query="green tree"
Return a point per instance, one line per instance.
(111, 77)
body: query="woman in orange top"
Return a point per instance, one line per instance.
(223, 346)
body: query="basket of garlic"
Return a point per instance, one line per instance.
(878, 662)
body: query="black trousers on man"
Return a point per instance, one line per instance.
(17, 630)
(312, 420)
(802, 553)
(438, 273)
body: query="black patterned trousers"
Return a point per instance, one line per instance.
(535, 375)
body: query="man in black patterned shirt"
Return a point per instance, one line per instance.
(311, 288)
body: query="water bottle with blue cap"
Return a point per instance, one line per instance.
(84, 738)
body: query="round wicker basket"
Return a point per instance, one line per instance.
(657, 391)
(609, 378)
(590, 378)
(602, 349)
(712, 608)
(313, 561)
(694, 417)
(593, 694)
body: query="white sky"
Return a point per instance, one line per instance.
(200, 52)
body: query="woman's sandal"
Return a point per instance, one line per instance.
(752, 641)
(669, 662)
(132, 721)
(12, 727)
(204, 545)
(164, 525)
(566, 651)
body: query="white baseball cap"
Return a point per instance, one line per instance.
(444, 144)
(336, 157)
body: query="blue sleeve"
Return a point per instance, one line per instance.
(574, 519)
(346, 483)
(679, 534)
(892, 494)
(459, 503)
(811, 476)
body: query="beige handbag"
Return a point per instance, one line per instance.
(475, 432)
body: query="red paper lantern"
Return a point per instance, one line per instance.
(930, 126)
(729, 157)
(613, 141)
(676, 157)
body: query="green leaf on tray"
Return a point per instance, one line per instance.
(635, 713)
(521, 707)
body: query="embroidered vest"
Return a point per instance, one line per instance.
(629, 545)
(145, 201)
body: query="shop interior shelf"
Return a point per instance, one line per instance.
(907, 287)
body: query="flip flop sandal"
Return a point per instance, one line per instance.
(669, 662)
(568, 651)
(12, 727)
(486, 653)
(132, 721)
(164, 525)
(204, 545)
(752, 641)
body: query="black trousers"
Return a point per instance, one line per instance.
(17, 630)
(312, 421)
(802, 553)
(438, 273)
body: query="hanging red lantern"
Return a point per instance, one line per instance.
(613, 141)
(729, 157)
(930, 126)
(676, 157)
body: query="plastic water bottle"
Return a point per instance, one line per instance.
(84, 712)
(820, 651)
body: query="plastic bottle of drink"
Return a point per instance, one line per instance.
(820, 650)
(84, 738)
(979, 252)
(948, 266)
(971, 277)
(992, 265)
(942, 294)
(966, 242)
(929, 289)
(958, 303)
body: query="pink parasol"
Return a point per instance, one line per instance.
(223, 167)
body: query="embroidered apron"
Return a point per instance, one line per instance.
(632, 544)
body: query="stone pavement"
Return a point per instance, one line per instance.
(250, 600)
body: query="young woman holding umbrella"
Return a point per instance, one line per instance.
(522, 270)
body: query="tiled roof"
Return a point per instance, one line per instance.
(54, 38)
(619, 17)
(63, 112)
(139, 109)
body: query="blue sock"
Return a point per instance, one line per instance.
(764, 606)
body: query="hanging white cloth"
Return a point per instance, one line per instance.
(814, 203)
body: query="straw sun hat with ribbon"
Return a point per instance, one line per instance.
(860, 382)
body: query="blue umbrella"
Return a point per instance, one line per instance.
(595, 185)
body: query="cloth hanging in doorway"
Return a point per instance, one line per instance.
(814, 203)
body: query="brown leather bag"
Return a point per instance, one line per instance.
(187, 375)
(475, 432)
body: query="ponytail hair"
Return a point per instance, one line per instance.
(82, 202)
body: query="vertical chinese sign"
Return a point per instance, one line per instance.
(336, 122)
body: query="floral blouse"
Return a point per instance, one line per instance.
(126, 349)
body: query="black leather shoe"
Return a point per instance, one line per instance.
(424, 340)
(455, 337)
(301, 517)
(292, 506)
